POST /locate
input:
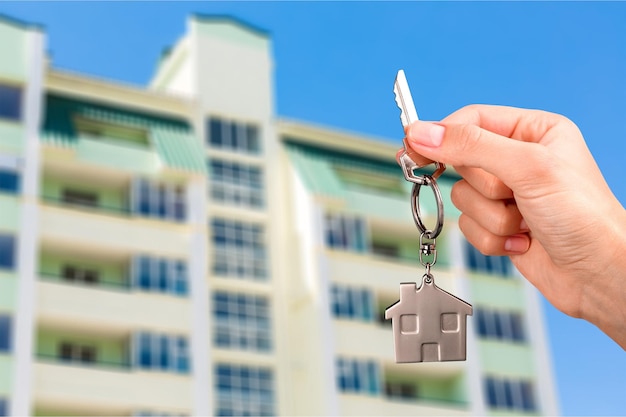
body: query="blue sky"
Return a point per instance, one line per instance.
(335, 64)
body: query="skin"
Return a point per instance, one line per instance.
(531, 190)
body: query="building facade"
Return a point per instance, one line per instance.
(179, 250)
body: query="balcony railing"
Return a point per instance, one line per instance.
(99, 284)
(428, 400)
(118, 211)
(117, 365)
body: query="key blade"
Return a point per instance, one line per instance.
(408, 114)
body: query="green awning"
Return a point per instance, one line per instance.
(323, 172)
(171, 139)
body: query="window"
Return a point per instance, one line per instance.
(508, 394)
(400, 390)
(164, 201)
(239, 249)
(9, 181)
(161, 352)
(160, 275)
(344, 232)
(10, 102)
(352, 303)
(74, 352)
(75, 274)
(244, 391)
(241, 321)
(236, 184)
(6, 326)
(232, 135)
(494, 265)
(4, 407)
(80, 198)
(7, 252)
(500, 325)
(357, 376)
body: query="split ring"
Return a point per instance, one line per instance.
(415, 207)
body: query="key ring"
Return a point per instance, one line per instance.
(415, 207)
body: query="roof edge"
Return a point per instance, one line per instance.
(21, 24)
(231, 19)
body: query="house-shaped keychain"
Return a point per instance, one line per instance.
(429, 324)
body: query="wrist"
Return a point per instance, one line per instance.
(604, 302)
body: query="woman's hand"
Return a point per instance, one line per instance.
(532, 190)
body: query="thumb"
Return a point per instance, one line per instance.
(472, 146)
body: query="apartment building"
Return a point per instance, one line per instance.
(178, 249)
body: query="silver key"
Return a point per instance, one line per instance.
(404, 100)
(410, 160)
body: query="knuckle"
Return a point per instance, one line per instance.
(486, 243)
(499, 225)
(495, 189)
(470, 137)
(456, 194)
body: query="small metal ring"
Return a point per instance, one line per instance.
(428, 277)
(415, 207)
(431, 250)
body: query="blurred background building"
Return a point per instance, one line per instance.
(179, 250)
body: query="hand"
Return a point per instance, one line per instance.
(532, 190)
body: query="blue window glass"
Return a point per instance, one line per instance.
(181, 286)
(528, 398)
(10, 102)
(180, 205)
(7, 252)
(241, 321)
(244, 391)
(4, 407)
(357, 376)
(352, 303)
(493, 265)
(239, 249)
(491, 393)
(5, 333)
(145, 273)
(145, 350)
(517, 328)
(215, 132)
(372, 376)
(164, 352)
(182, 359)
(144, 198)
(161, 275)
(9, 181)
(252, 135)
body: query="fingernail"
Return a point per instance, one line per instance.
(426, 133)
(523, 226)
(516, 244)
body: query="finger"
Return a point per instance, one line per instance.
(489, 244)
(499, 217)
(469, 145)
(511, 122)
(485, 183)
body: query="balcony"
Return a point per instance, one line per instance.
(114, 309)
(379, 273)
(350, 334)
(108, 390)
(67, 226)
(361, 405)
